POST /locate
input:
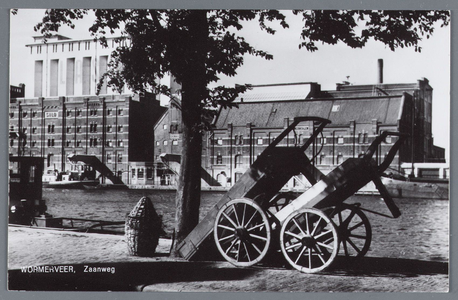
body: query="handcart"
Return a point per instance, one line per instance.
(254, 217)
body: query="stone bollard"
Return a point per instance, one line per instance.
(143, 227)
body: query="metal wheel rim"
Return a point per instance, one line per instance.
(311, 248)
(242, 232)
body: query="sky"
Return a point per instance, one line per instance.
(329, 65)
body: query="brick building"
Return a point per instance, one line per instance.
(66, 115)
(358, 114)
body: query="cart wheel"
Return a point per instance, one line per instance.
(309, 240)
(354, 229)
(242, 232)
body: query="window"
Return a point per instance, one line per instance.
(12, 114)
(340, 140)
(220, 141)
(93, 142)
(120, 144)
(78, 129)
(79, 113)
(120, 112)
(388, 140)
(87, 61)
(158, 143)
(12, 128)
(260, 141)
(24, 114)
(54, 77)
(219, 159)
(103, 64)
(149, 173)
(109, 112)
(322, 156)
(165, 143)
(34, 114)
(50, 142)
(109, 143)
(69, 129)
(119, 157)
(133, 173)
(69, 113)
(34, 130)
(51, 128)
(78, 143)
(175, 142)
(69, 143)
(120, 129)
(164, 126)
(140, 173)
(109, 158)
(339, 158)
(93, 127)
(70, 77)
(109, 128)
(38, 79)
(238, 161)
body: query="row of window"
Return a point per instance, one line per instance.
(93, 142)
(71, 46)
(51, 128)
(165, 143)
(140, 173)
(362, 138)
(322, 159)
(70, 113)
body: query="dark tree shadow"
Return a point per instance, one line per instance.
(387, 267)
(135, 276)
(127, 276)
(370, 266)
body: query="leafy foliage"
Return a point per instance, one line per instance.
(355, 28)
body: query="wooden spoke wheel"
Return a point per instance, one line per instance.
(354, 229)
(309, 240)
(242, 232)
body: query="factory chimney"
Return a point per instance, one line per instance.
(380, 71)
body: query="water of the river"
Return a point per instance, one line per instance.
(421, 232)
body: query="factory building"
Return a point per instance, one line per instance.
(358, 113)
(64, 112)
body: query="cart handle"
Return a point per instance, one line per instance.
(378, 140)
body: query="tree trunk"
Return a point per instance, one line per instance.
(193, 91)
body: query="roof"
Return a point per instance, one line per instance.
(386, 109)
(277, 92)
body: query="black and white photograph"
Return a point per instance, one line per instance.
(229, 150)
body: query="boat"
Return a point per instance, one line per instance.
(417, 188)
(70, 180)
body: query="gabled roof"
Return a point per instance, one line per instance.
(386, 109)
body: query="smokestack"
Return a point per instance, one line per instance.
(380, 71)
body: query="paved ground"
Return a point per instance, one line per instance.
(383, 270)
